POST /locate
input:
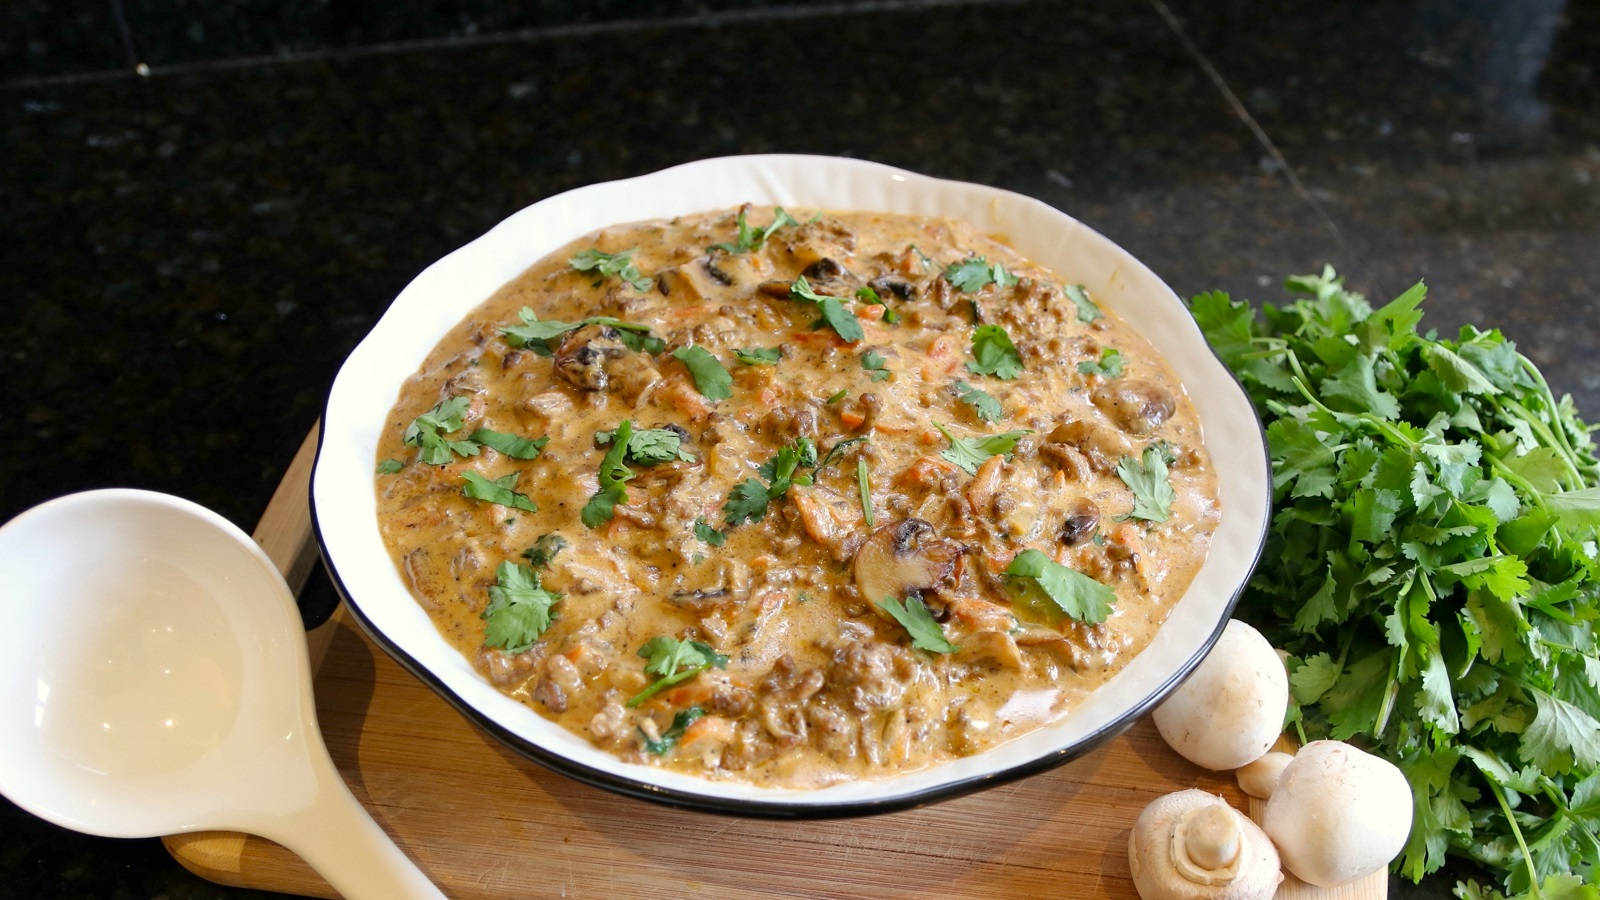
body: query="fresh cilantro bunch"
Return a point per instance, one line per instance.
(1432, 571)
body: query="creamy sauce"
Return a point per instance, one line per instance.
(820, 684)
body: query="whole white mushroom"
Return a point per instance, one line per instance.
(1230, 710)
(1192, 845)
(1338, 813)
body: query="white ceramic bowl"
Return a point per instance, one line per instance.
(344, 500)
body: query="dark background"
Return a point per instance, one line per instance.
(208, 204)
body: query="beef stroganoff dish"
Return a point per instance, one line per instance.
(791, 496)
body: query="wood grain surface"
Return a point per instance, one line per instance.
(483, 821)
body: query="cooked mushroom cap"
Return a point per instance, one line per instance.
(1192, 845)
(903, 558)
(1260, 777)
(1231, 708)
(1338, 813)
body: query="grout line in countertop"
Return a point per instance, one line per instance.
(1244, 115)
(143, 69)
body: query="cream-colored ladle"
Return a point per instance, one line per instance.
(155, 681)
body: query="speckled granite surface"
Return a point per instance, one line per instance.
(189, 254)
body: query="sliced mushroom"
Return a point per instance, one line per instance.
(903, 558)
(1083, 517)
(581, 358)
(1101, 445)
(1138, 407)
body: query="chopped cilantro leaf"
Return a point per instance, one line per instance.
(613, 477)
(753, 238)
(1109, 365)
(987, 407)
(518, 610)
(649, 446)
(544, 550)
(1152, 491)
(390, 466)
(611, 265)
(836, 396)
(427, 433)
(749, 499)
(675, 661)
(1074, 593)
(914, 617)
(710, 535)
(509, 444)
(710, 378)
(680, 724)
(1087, 311)
(747, 502)
(974, 272)
(875, 365)
(994, 354)
(498, 491)
(758, 356)
(970, 453)
(538, 334)
(867, 295)
(834, 315)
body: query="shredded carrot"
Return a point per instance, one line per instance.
(851, 419)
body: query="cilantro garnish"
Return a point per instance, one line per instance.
(1072, 592)
(544, 550)
(1087, 311)
(875, 365)
(1109, 365)
(611, 265)
(970, 453)
(705, 532)
(836, 396)
(1152, 491)
(509, 444)
(537, 334)
(675, 661)
(680, 724)
(837, 450)
(390, 466)
(710, 378)
(994, 354)
(914, 617)
(751, 237)
(865, 488)
(648, 446)
(974, 272)
(748, 500)
(834, 315)
(987, 407)
(518, 610)
(500, 491)
(427, 433)
(758, 356)
(1431, 570)
(613, 476)
(867, 295)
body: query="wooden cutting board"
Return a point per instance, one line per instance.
(483, 821)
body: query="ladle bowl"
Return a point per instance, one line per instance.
(156, 681)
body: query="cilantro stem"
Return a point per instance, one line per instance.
(662, 684)
(1516, 832)
(1549, 399)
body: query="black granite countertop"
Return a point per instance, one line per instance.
(208, 207)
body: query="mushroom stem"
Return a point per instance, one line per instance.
(1205, 844)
